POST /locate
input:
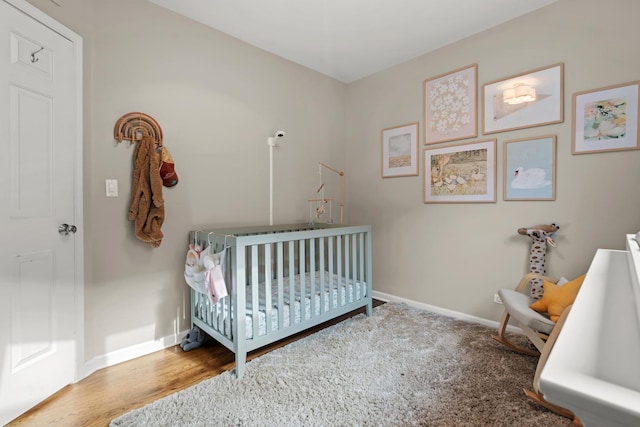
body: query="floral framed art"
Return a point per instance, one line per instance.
(534, 98)
(606, 119)
(464, 173)
(530, 168)
(450, 106)
(400, 151)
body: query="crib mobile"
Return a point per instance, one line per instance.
(318, 205)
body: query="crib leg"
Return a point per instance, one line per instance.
(241, 361)
(369, 308)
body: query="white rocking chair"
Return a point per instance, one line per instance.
(541, 331)
(535, 326)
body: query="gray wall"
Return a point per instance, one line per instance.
(218, 99)
(456, 256)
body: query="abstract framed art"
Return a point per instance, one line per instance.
(531, 99)
(400, 151)
(606, 119)
(464, 173)
(450, 106)
(530, 168)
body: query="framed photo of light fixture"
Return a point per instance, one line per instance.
(606, 119)
(463, 173)
(400, 151)
(450, 106)
(530, 168)
(531, 99)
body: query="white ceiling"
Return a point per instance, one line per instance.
(350, 39)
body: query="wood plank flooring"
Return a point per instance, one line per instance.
(110, 392)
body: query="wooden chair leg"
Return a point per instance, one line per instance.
(501, 338)
(540, 400)
(536, 395)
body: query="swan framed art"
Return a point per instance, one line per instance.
(464, 173)
(400, 151)
(530, 168)
(531, 99)
(606, 119)
(450, 106)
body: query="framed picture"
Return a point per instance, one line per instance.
(400, 151)
(463, 173)
(450, 106)
(530, 168)
(606, 119)
(526, 100)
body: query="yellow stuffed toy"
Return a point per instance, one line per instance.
(556, 298)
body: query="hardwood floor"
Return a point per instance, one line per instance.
(110, 392)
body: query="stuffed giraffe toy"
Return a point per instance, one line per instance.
(540, 237)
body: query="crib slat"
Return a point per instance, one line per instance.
(312, 276)
(239, 301)
(301, 274)
(255, 297)
(280, 273)
(267, 284)
(227, 302)
(354, 267)
(292, 292)
(331, 273)
(347, 268)
(339, 272)
(361, 275)
(321, 269)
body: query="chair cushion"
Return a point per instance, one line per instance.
(517, 305)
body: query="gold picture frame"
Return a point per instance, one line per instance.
(464, 173)
(400, 150)
(606, 119)
(529, 168)
(450, 106)
(534, 98)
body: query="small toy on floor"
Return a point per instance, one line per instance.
(193, 339)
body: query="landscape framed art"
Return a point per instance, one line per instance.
(400, 151)
(464, 173)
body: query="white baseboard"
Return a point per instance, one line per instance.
(142, 349)
(130, 353)
(446, 312)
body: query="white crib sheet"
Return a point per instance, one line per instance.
(350, 291)
(347, 289)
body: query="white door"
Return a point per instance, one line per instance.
(38, 283)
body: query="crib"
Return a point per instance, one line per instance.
(282, 280)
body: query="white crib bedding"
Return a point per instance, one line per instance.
(347, 289)
(350, 291)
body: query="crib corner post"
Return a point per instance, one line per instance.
(369, 308)
(241, 361)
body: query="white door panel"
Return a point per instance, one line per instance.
(38, 284)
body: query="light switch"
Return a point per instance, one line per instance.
(112, 187)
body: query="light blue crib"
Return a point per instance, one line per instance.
(282, 280)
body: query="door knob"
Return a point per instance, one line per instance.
(65, 229)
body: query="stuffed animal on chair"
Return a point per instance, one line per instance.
(193, 339)
(541, 236)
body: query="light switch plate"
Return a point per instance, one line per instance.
(112, 187)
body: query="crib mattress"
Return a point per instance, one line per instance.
(350, 291)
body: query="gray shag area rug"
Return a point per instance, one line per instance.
(400, 367)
